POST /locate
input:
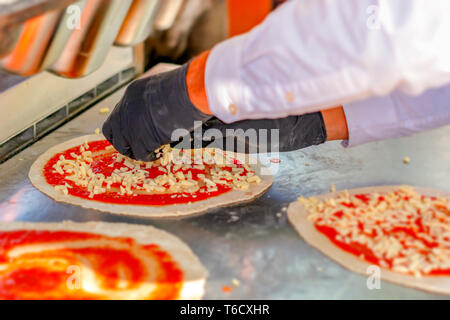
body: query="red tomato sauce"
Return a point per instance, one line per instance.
(101, 165)
(44, 275)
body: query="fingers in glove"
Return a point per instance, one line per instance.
(112, 131)
(107, 131)
(140, 152)
(121, 144)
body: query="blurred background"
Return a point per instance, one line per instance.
(59, 57)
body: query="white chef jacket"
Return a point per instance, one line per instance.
(386, 61)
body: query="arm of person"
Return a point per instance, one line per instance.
(309, 55)
(305, 57)
(394, 116)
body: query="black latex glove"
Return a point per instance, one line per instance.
(150, 110)
(294, 132)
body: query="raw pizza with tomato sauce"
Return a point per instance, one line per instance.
(89, 172)
(96, 260)
(404, 231)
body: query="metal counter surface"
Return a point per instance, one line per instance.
(14, 11)
(251, 242)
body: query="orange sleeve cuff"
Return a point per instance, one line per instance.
(335, 123)
(195, 82)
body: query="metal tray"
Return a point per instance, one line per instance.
(251, 242)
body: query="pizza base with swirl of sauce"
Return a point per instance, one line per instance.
(398, 226)
(96, 260)
(252, 185)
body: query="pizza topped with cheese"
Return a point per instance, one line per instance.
(399, 229)
(89, 172)
(95, 261)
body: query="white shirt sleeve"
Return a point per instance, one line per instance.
(313, 54)
(396, 115)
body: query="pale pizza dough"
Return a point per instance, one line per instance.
(229, 198)
(194, 273)
(297, 215)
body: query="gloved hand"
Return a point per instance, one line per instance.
(253, 136)
(150, 110)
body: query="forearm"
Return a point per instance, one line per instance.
(334, 118)
(397, 115)
(310, 55)
(393, 116)
(379, 118)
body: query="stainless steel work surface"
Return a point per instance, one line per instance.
(254, 243)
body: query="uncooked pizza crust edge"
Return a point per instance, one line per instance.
(194, 273)
(232, 197)
(297, 215)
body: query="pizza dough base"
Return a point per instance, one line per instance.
(297, 215)
(194, 274)
(175, 210)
